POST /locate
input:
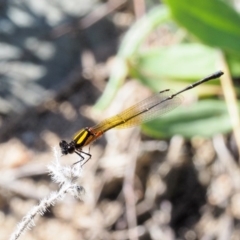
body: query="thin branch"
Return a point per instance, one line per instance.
(67, 178)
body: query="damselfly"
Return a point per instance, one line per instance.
(141, 112)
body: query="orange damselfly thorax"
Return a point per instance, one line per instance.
(82, 138)
(141, 112)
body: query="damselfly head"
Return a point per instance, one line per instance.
(66, 147)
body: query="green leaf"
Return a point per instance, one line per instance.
(205, 118)
(180, 62)
(212, 21)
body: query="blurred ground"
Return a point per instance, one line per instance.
(55, 60)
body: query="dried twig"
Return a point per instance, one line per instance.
(67, 178)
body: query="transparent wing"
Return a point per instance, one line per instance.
(146, 110)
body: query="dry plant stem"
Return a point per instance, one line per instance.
(139, 8)
(28, 221)
(227, 160)
(128, 187)
(66, 177)
(96, 15)
(99, 13)
(231, 100)
(226, 227)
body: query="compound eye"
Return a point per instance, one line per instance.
(63, 144)
(64, 147)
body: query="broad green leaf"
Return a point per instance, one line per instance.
(212, 21)
(205, 118)
(180, 62)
